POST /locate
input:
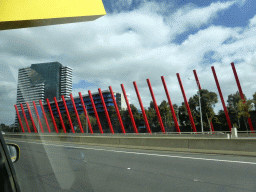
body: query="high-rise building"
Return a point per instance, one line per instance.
(41, 81)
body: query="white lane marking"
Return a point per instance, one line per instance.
(138, 153)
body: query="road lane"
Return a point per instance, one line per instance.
(73, 167)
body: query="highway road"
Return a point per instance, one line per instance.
(62, 166)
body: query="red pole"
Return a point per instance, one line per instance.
(197, 80)
(221, 97)
(25, 117)
(45, 118)
(142, 108)
(77, 116)
(18, 115)
(171, 106)
(85, 112)
(117, 110)
(39, 121)
(129, 110)
(211, 125)
(186, 103)
(106, 111)
(32, 120)
(241, 93)
(53, 120)
(59, 113)
(69, 119)
(156, 107)
(95, 112)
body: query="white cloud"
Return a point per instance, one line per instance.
(252, 22)
(241, 2)
(193, 17)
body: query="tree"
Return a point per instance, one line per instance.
(208, 99)
(114, 119)
(166, 114)
(183, 115)
(152, 117)
(83, 121)
(5, 128)
(176, 110)
(232, 107)
(254, 100)
(243, 110)
(137, 116)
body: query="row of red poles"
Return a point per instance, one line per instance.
(128, 107)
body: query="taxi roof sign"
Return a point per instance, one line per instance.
(16, 14)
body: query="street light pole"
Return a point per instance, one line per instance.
(202, 127)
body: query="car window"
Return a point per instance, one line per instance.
(118, 100)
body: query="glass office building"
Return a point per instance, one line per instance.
(97, 101)
(41, 81)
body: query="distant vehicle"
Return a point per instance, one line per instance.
(3, 132)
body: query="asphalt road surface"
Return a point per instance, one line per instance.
(56, 166)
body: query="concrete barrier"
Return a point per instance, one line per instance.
(203, 145)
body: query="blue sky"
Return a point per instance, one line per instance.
(137, 40)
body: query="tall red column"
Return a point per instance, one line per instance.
(106, 111)
(69, 119)
(37, 115)
(171, 106)
(186, 103)
(18, 115)
(25, 117)
(221, 97)
(197, 80)
(45, 118)
(32, 120)
(85, 113)
(117, 110)
(129, 110)
(59, 113)
(142, 108)
(241, 93)
(77, 116)
(95, 112)
(53, 120)
(156, 106)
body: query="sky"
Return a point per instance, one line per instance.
(138, 40)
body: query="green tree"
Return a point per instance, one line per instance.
(152, 117)
(243, 110)
(232, 107)
(114, 119)
(176, 110)
(254, 100)
(83, 120)
(137, 116)
(166, 115)
(221, 118)
(5, 128)
(183, 115)
(208, 99)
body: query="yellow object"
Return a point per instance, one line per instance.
(32, 13)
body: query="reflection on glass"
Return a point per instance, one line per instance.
(12, 152)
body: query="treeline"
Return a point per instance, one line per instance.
(237, 109)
